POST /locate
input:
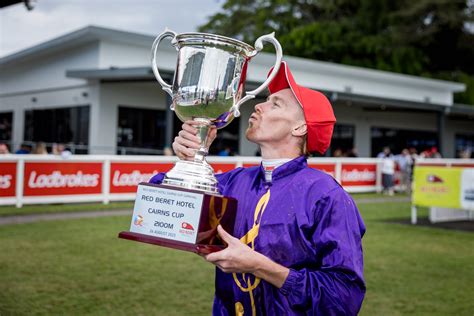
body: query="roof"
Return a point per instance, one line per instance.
(82, 36)
(314, 74)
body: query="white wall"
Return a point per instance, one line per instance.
(104, 115)
(113, 54)
(47, 72)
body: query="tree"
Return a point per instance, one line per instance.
(426, 37)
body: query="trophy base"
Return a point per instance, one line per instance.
(196, 248)
(180, 218)
(194, 175)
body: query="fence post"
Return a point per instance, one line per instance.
(413, 214)
(338, 172)
(106, 181)
(20, 177)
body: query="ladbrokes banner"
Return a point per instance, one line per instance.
(449, 187)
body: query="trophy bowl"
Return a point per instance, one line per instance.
(208, 87)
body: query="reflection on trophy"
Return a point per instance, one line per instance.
(208, 87)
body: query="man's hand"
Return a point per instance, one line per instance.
(187, 143)
(240, 258)
(236, 257)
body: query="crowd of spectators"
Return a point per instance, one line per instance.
(39, 148)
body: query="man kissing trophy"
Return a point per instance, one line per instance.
(208, 88)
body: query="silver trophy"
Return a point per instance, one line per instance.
(208, 87)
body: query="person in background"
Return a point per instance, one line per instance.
(40, 149)
(388, 171)
(384, 153)
(225, 152)
(61, 150)
(337, 153)
(167, 151)
(24, 149)
(4, 149)
(352, 153)
(405, 163)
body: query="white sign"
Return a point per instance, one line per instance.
(467, 189)
(167, 213)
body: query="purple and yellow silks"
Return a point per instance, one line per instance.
(304, 221)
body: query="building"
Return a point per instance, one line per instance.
(94, 90)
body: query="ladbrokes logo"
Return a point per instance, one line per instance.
(5, 181)
(431, 178)
(358, 175)
(58, 180)
(131, 179)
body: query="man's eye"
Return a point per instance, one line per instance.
(275, 105)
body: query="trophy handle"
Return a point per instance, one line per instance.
(167, 33)
(258, 47)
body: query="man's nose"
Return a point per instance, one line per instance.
(259, 107)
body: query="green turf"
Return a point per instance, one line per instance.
(62, 208)
(79, 267)
(373, 195)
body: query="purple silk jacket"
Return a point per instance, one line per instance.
(304, 221)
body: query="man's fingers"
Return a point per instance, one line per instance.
(189, 141)
(228, 238)
(214, 257)
(189, 136)
(189, 128)
(183, 152)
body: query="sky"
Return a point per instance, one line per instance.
(20, 28)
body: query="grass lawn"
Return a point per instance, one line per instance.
(85, 207)
(62, 208)
(79, 267)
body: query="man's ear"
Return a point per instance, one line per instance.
(300, 130)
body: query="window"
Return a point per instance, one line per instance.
(6, 123)
(69, 126)
(140, 131)
(227, 139)
(464, 146)
(342, 142)
(398, 139)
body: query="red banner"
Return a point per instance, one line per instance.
(328, 168)
(64, 178)
(124, 177)
(358, 174)
(247, 165)
(223, 167)
(7, 179)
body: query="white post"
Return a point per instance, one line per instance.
(20, 177)
(413, 214)
(378, 179)
(338, 171)
(106, 181)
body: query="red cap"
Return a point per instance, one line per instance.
(318, 112)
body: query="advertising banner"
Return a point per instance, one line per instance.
(65, 178)
(125, 176)
(222, 167)
(353, 174)
(7, 179)
(328, 168)
(448, 187)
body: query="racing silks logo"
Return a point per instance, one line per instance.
(244, 280)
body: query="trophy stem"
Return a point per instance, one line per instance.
(203, 133)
